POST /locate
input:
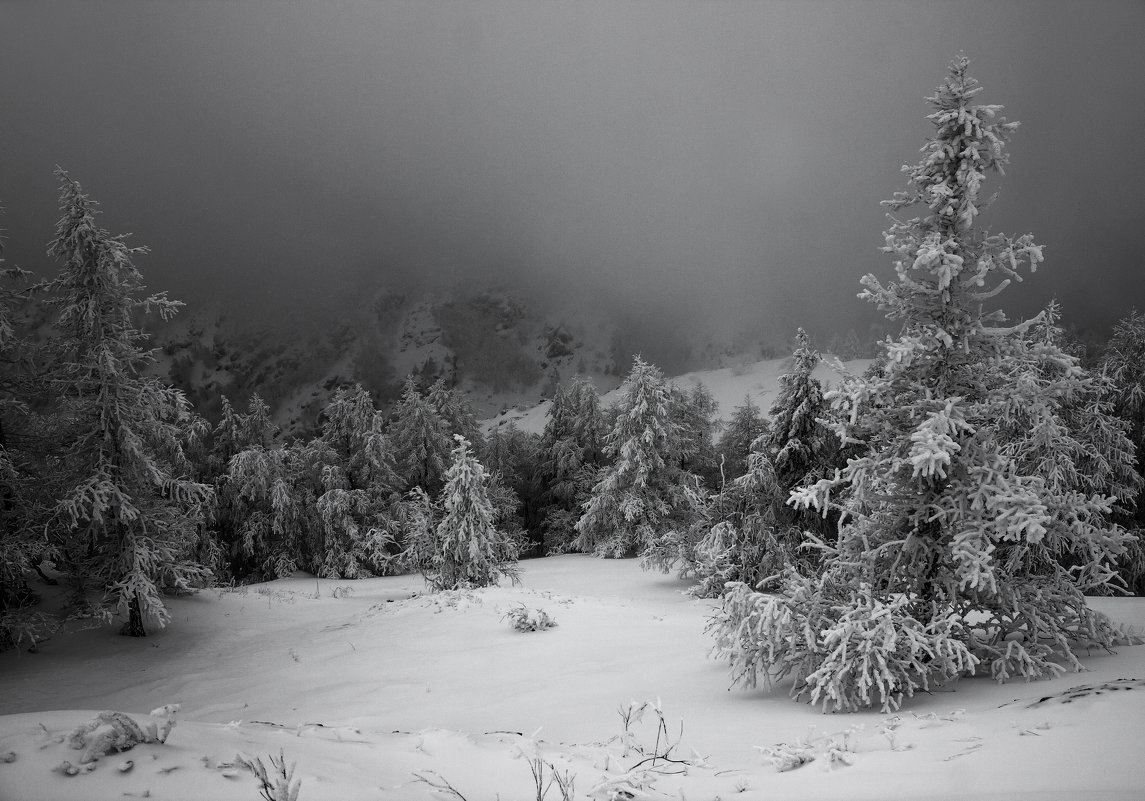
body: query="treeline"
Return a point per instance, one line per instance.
(110, 481)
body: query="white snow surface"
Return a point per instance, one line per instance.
(363, 684)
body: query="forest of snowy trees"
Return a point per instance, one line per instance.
(945, 512)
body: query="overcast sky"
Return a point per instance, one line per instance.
(695, 164)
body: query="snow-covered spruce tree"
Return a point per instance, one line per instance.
(1123, 365)
(269, 494)
(455, 410)
(130, 518)
(640, 497)
(695, 412)
(749, 537)
(233, 434)
(799, 444)
(21, 547)
(510, 459)
(951, 547)
(753, 535)
(746, 425)
(587, 426)
(467, 550)
(360, 489)
(420, 438)
(326, 505)
(569, 454)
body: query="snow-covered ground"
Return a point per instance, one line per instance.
(366, 685)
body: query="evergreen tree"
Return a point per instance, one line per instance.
(420, 438)
(586, 425)
(359, 489)
(746, 425)
(694, 412)
(749, 538)
(235, 434)
(258, 429)
(226, 438)
(510, 458)
(800, 446)
(798, 441)
(638, 497)
(468, 550)
(269, 493)
(1123, 365)
(458, 415)
(130, 518)
(569, 454)
(21, 548)
(326, 505)
(1123, 362)
(953, 539)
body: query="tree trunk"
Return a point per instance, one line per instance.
(134, 626)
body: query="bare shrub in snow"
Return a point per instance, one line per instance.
(276, 784)
(521, 618)
(110, 732)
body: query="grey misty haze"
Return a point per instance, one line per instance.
(687, 166)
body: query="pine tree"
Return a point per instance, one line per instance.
(746, 425)
(131, 517)
(637, 497)
(749, 538)
(268, 494)
(458, 415)
(954, 537)
(694, 412)
(799, 443)
(20, 547)
(235, 434)
(569, 454)
(1123, 362)
(420, 438)
(510, 458)
(258, 429)
(468, 550)
(359, 487)
(327, 505)
(1123, 365)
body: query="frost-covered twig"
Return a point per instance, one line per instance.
(440, 784)
(279, 786)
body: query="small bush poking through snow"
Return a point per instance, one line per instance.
(521, 618)
(279, 785)
(111, 732)
(833, 749)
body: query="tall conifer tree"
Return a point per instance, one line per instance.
(637, 495)
(131, 516)
(468, 550)
(958, 546)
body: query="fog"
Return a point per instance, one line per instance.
(687, 167)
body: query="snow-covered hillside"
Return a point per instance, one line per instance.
(730, 386)
(491, 344)
(366, 686)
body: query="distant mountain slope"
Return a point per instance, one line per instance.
(491, 345)
(729, 386)
(506, 356)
